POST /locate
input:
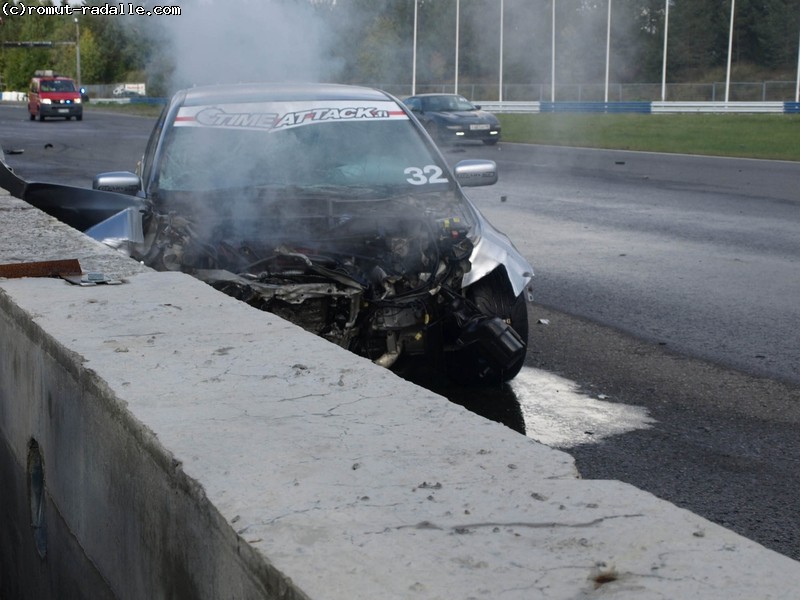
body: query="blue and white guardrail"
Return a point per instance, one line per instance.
(642, 107)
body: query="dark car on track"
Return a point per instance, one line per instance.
(328, 206)
(450, 118)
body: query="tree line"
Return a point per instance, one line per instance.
(370, 41)
(110, 50)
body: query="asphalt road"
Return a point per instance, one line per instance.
(699, 254)
(71, 152)
(670, 283)
(664, 283)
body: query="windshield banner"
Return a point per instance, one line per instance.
(275, 116)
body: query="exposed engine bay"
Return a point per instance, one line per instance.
(379, 277)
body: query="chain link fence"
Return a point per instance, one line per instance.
(757, 91)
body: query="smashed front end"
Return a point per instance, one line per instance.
(381, 277)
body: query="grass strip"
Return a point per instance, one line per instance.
(138, 109)
(771, 136)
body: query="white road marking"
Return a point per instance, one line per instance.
(558, 415)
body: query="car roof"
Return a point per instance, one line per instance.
(434, 94)
(261, 92)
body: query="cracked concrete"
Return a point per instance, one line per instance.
(348, 481)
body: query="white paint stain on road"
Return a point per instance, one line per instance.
(557, 414)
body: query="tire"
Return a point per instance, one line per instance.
(494, 297)
(491, 142)
(79, 117)
(41, 117)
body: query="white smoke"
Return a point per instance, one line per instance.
(358, 41)
(213, 41)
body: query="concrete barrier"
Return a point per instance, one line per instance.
(161, 440)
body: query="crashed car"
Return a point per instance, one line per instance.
(331, 207)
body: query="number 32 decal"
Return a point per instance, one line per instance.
(427, 174)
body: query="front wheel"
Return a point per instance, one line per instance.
(491, 142)
(494, 297)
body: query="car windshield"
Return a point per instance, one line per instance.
(448, 103)
(350, 154)
(57, 85)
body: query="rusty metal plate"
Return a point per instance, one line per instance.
(46, 268)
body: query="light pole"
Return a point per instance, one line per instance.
(730, 51)
(458, 27)
(664, 58)
(797, 83)
(500, 92)
(553, 56)
(78, 51)
(414, 53)
(608, 48)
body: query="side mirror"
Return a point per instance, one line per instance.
(474, 172)
(121, 182)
